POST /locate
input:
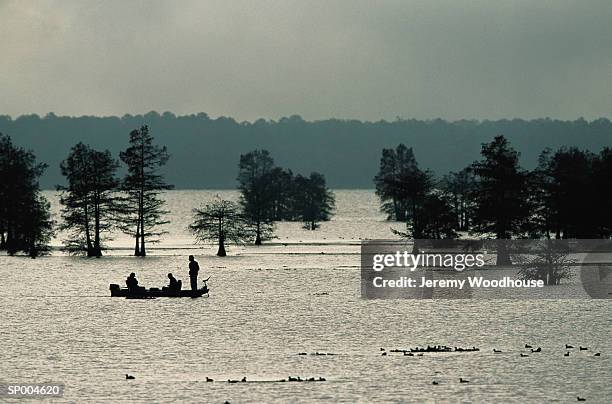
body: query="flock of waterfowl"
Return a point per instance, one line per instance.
(418, 351)
(567, 352)
(288, 379)
(435, 348)
(316, 353)
(443, 348)
(244, 379)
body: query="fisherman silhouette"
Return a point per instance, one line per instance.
(132, 282)
(194, 268)
(174, 284)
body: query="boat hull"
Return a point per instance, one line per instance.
(142, 293)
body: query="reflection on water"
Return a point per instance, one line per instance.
(270, 303)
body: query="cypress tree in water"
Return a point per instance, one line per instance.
(257, 198)
(501, 197)
(90, 201)
(143, 209)
(25, 221)
(313, 201)
(219, 221)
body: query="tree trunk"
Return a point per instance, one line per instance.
(89, 246)
(33, 252)
(140, 234)
(503, 257)
(416, 223)
(137, 247)
(401, 212)
(143, 252)
(416, 245)
(9, 239)
(396, 209)
(221, 252)
(258, 234)
(97, 249)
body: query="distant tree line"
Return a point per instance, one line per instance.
(204, 148)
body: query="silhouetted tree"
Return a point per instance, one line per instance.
(395, 166)
(143, 210)
(574, 194)
(406, 193)
(459, 187)
(500, 200)
(90, 203)
(256, 198)
(412, 188)
(438, 219)
(547, 261)
(541, 222)
(313, 202)
(219, 221)
(36, 227)
(281, 187)
(25, 221)
(603, 191)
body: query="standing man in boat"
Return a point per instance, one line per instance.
(194, 268)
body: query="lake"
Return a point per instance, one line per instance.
(300, 293)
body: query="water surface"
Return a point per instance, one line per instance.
(299, 294)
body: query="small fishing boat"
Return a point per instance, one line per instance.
(152, 293)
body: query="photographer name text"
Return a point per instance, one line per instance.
(472, 282)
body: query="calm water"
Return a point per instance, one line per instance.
(270, 303)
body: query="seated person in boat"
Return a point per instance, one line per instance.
(174, 284)
(132, 282)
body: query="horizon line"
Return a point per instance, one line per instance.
(293, 117)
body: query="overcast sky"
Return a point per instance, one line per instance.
(319, 59)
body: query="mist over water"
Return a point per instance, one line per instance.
(299, 293)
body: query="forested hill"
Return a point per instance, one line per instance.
(205, 152)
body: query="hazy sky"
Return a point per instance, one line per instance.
(349, 59)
